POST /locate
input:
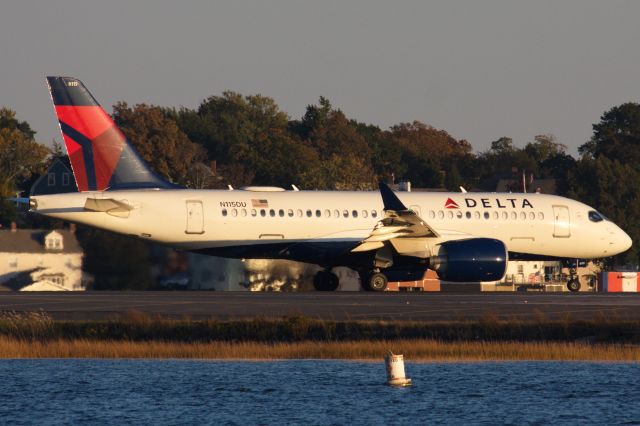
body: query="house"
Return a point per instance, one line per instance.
(57, 180)
(37, 260)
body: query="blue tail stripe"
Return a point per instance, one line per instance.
(87, 153)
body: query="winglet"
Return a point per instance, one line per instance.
(389, 198)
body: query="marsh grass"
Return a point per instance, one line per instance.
(413, 350)
(136, 326)
(137, 335)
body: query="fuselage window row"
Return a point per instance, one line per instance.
(374, 214)
(299, 213)
(440, 214)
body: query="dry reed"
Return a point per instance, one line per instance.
(414, 350)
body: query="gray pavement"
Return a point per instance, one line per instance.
(334, 306)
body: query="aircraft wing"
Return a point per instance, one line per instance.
(399, 223)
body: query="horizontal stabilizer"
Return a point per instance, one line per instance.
(19, 200)
(106, 205)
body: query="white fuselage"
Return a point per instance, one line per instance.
(534, 224)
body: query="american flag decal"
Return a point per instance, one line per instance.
(259, 203)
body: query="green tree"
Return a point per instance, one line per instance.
(617, 135)
(544, 147)
(343, 155)
(248, 137)
(9, 121)
(386, 156)
(158, 140)
(427, 152)
(503, 159)
(227, 124)
(502, 146)
(20, 154)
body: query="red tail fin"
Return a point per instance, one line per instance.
(101, 157)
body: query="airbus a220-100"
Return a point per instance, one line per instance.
(462, 236)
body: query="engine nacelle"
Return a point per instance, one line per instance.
(471, 260)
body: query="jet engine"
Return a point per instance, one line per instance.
(470, 260)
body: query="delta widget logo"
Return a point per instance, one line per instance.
(450, 204)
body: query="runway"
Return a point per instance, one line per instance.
(330, 306)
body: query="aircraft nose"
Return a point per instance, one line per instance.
(621, 241)
(626, 241)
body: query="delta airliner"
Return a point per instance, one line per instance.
(462, 236)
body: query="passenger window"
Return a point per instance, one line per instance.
(496, 215)
(234, 212)
(432, 214)
(281, 213)
(523, 216)
(532, 215)
(327, 213)
(345, 213)
(440, 214)
(468, 215)
(354, 213)
(459, 214)
(253, 212)
(374, 213)
(514, 215)
(505, 215)
(263, 212)
(318, 213)
(476, 215)
(299, 213)
(336, 213)
(309, 214)
(364, 213)
(272, 212)
(486, 215)
(224, 212)
(450, 214)
(541, 216)
(243, 212)
(290, 212)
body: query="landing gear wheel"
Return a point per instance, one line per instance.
(573, 285)
(326, 281)
(377, 282)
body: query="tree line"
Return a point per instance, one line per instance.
(232, 139)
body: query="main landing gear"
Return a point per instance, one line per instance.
(326, 281)
(373, 281)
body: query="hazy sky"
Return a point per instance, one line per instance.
(478, 69)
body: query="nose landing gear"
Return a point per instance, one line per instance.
(574, 283)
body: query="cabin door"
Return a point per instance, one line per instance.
(195, 217)
(561, 225)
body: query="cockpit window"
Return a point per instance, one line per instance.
(594, 216)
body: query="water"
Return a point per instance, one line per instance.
(171, 392)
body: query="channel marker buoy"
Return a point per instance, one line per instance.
(395, 370)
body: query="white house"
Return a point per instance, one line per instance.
(36, 260)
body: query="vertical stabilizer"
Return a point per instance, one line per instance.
(100, 155)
